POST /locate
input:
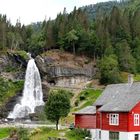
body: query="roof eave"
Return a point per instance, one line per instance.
(111, 111)
(83, 113)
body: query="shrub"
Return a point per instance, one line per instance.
(76, 103)
(82, 97)
(23, 134)
(79, 133)
(35, 131)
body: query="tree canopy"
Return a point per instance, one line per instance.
(57, 106)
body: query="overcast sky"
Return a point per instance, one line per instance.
(36, 10)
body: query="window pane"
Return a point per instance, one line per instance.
(136, 119)
(113, 135)
(114, 119)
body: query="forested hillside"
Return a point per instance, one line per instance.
(94, 10)
(109, 33)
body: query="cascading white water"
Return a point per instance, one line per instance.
(32, 93)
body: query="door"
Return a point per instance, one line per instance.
(113, 135)
(136, 137)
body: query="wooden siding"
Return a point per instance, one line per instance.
(98, 119)
(85, 121)
(135, 110)
(123, 122)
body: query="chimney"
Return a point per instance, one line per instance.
(130, 79)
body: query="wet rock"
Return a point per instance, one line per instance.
(8, 107)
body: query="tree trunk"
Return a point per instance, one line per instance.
(73, 45)
(57, 122)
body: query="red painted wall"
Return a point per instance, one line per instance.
(98, 120)
(123, 122)
(85, 121)
(135, 110)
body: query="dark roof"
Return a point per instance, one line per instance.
(119, 97)
(87, 110)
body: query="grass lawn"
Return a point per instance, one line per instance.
(48, 132)
(87, 98)
(76, 134)
(124, 76)
(137, 77)
(4, 132)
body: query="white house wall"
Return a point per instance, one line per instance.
(93, 134)
(131, 135)
(105, 135)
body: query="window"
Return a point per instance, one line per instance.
(136, 119)
(136, 137)
(113, 135)
(113, 119)
(99, 135)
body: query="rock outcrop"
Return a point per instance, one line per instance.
(64, 69)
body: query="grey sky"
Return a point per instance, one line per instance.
(36, 10)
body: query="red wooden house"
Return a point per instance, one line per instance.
(118, 113)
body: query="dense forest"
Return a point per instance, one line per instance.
(109, 33)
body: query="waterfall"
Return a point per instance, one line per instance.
(32, 93)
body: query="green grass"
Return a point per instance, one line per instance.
(124, 76)
(87, 98)
(21, 53)
(137, 77)
(48, 132)
(4, 132)
(45, 133)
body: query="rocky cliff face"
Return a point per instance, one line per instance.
(63, 69)
(11, 68)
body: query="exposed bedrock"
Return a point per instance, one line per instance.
(64, 70)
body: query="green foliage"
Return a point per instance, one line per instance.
(8, 89)
(57, 106)
(78, 134)
(36, 43)
(4, 132)
(23, 133)
(137, 77)
(23, 54)
(109, 70)
(9, 68)
(90, 96)
(126, 60)
(82, 97)
(71, 37)
(76, 103)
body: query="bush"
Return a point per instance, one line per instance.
(109, 70)
(79, 133)
(82, 97)
(23, 134)
(76, 103)
(35, 131)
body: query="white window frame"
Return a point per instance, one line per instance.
(136, 119)
(113, 119)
